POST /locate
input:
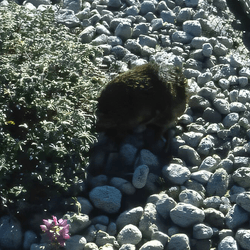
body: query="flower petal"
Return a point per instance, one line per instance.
(55, 220)
(44, 228)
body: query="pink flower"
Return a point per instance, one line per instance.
(57, 231)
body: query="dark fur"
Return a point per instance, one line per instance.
(144, 95)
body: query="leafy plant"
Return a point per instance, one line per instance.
(48, 89)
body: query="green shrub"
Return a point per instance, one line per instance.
(48, 89)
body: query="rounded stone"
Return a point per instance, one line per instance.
(129, 234)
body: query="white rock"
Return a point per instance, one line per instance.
(130, 234)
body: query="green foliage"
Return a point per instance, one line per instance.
(48, 89)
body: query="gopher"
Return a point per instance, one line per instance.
(146, 94)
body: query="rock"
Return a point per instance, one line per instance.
(192, 27)
(67, 18)
(204, 78)
(103, 238)
(182, 37)
(29, 238)
(147, 6)
(202, 176)
(152, 245)
(220, 50)
(130, 234)
(218, 183)
(36, 3)
(184, 15)
(90, 246)
(140, 176)
(76, 242)
(230, 119)
(242, 177)
(209, 164)
(114, 4)
(176, 173)
(74, 5)
(77, 222)
(129, 217)
(214, 218)
(164, 205)
(147, 41)
(10, 233)
(179, 241)
(222, 106)
(123, 30)
(86, 206)
(157, 24)
(133, 46)
(192, 138)
(191, 197)
(102, 39)
(119, 51)
(202, 231)
(189, 155)
(211, 115)
(243, 200)
(106, 198)
(123, 185)
(205, 145)
(127, 247)
(191, 216)
(140, 29)
(212, 202)
(146, 157)
(207, 49)
(236, 216)
(228, 243)
(87, 34)
(160, 236)
(242, 237)
(168, 16)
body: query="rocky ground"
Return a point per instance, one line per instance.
(191, 189)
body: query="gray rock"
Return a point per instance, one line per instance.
(164, 205)
(10, 233)
(214, 218)
(76, 242)
(140, 29)
(181, 37)
(101, 29)
(119, 51)
(84, 14)
(114, 41)
(212, 202)
(130, 234)
(106, 198)
(140, 176)
(191, 197)
(147, 6)
(233, 95)
(124, 31)
(222, 106)
(162, 6)
(86, 206)
(220, 50)
(202, 231)
(243, 81)
(191, 3)
(243, 200)
(147, 158)
(236, 217)
(77, 222)
(168, 16)
(179, 241)
(226, 164)
(116, 21)
(207, 49)
(211, 115)
(90, 246)
(131, 216)
(242, 177)
(87, 34)
(189, 155)
(205, 145)
(127, 154)
(192, 139)
(152, 245)
(67, 18)
(242, 237)
(103, 238)
(191, 216)
(29, 238)
(213, 128)
(228, 243)
(184, 15)
(192, 27)
(127, 247)
(230, 119)
(197, 42)
(123, 185)
(234, 192)
(36, 3)
(147, 41)
(244, 96)
(160, 236)
(74, 5)
(224, 83)
(204, 78)
(202, 176)
(132, 11)
(198, 102)
(237, 107)
(176, 173)
(102, 39)
(157, 24)
(149, 222)
(225, 232)
(133, 46)
(114, 4)
(218, 183)
(43, 246)
(245, 71)
(209, 164)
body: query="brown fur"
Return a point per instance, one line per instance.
(143, 95)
